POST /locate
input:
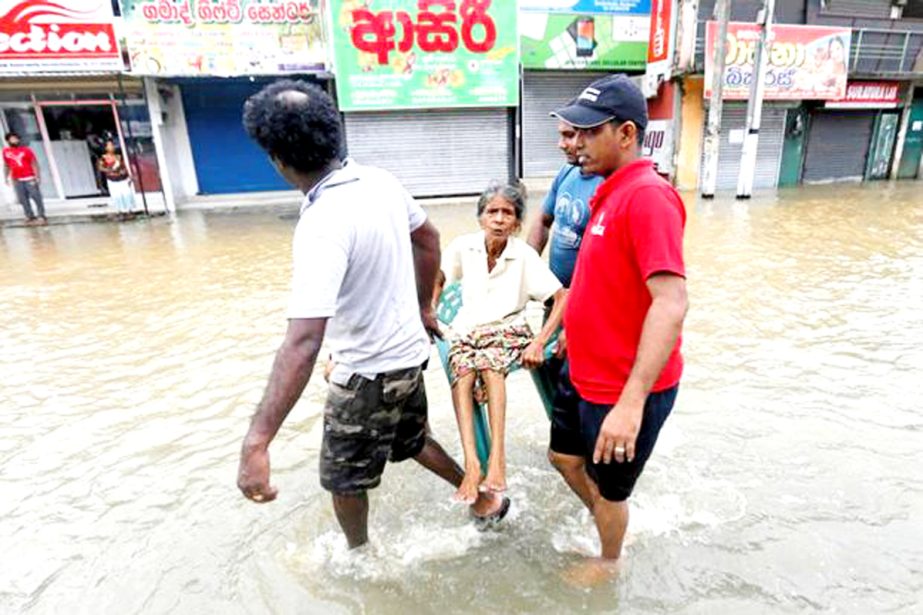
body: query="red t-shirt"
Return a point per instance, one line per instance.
(20, 160)
(635, 231)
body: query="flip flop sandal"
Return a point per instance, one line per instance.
(491, 521)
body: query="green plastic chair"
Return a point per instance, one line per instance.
(450, 301)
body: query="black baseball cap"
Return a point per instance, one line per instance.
(615, 97)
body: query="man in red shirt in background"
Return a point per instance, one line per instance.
(22, 172)
(624, 317)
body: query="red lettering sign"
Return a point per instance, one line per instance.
(382, 32)
(658, 48)
(54, 35)
(869, 95)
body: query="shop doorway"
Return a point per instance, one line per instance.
(77, 133)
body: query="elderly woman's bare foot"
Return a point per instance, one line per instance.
(495, 481)
(468, 490)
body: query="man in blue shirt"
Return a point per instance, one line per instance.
(566, 207)
(566, 212)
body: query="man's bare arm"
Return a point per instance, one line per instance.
(538, 234)
(661, 329)
(426, 257)
(291, 372)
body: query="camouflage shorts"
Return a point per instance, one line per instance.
(369, 422)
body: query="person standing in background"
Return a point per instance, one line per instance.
(23, 173)
(118, 181)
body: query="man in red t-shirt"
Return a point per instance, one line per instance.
(22, 172)
(625, 312)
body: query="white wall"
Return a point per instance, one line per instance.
(181, 165)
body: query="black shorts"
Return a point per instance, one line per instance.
(369, 422)
(575, 425)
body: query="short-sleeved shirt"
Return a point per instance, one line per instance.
(519, 276)
(635, 231)
(20, 160)
(568, 202)
(353, 264)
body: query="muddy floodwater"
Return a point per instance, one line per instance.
(788, 479)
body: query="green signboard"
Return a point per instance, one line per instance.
(412, 54)
(603, 41)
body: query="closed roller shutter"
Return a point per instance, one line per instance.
(838, 146)
(434, 152)
(542, 93)
(226, 159)
(768, 152)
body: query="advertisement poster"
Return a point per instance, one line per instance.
(412, 54)
(585, 34)
(39, 36)
(805, 62)
(224, 37)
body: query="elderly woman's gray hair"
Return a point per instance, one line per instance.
(514, 194)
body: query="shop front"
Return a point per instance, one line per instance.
(852, 138)
(206, 59)
(67, 124)
(433, 102)
(67, 104)
(563, 50)
(769, 148)
(808, 64)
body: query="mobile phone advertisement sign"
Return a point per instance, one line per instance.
(584, 34)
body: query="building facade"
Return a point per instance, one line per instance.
(872, 129)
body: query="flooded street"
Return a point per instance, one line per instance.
(787, 480)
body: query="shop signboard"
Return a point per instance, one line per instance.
(868, 95)
(413, 54)
(52, 36)
(805, 62)
(224, 38)
(585, 34)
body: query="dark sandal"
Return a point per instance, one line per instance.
(491, 521)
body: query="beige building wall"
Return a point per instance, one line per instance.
(691, 135)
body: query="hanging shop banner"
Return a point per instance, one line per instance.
(869, 95)
(413, 54)
(50, 36)
(224, 38)
(805, 62)
(585, 34)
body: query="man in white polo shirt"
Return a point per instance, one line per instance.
(365, 262)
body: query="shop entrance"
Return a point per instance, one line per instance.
(77, 135)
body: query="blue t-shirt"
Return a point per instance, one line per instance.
(568, 202)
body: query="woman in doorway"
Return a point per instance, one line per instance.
(500, 274)
(121, 194)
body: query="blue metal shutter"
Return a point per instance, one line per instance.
(226, 159)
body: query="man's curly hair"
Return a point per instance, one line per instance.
(297, 123)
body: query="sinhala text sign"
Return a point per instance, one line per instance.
(805, 62)
(584, 34)
(406, 54)
(224, 37)
(48, 36)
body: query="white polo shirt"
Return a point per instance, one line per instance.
(353, 263)
(519, 276)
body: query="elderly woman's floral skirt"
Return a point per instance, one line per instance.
(495, 347)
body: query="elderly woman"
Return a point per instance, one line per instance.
(500, 274)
